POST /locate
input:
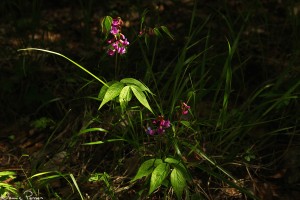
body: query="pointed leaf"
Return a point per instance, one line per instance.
(140, 96)
(178, 182)
(106, 25)
(171, 160)
(187, 124)
(183, 171)
(102, 142)
(166, 30)
(104, 89)
(144, 16)
(158, 176)
(124, 97)
(179, 166)
(88, 130)
(132, 81)
(112, 92)
(157, 32)
(146, 168)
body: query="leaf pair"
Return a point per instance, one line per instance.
(124, 90)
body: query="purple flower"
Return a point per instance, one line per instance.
(121, 50)
(160, 130)
(185, 108)
(114, 30)
(161, 124)
(111, 52)
(166, 123)
(119, 43)
(116, 22)
(150, 131)
(124, 42)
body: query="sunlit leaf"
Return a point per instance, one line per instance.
(146, 168)
(125, 96)
(104, 89)
(179, 166)
(92, 130)
(112, 92)
(102, 142)
(132, 81)
(7, 173)
(140, 96)
(178, 182)
(106, 25)
(171, 160)
(158, 176)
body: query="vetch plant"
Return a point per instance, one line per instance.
(159, 170)
(111, 90)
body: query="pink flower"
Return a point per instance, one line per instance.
(161, 125)
(114, 30)
(185, 108)
(119, 43)
(150, 131)
(116, 22)
(111, 52)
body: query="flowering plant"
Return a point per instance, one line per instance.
(160, 124)
(118, 44)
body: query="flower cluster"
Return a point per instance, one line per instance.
(161, 124)
(118, 43)
(185, 108)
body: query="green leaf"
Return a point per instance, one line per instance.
(179, 166)
(172, 160)
(102, 142)
(112, 92)
(104, 89)
(183, 171)
(187, 124)
(144, 16)
(156, 32)
(124, 97)
(7, 173)
(158, 176)
(76, 185)
(178, 182)
(146, 168)
(140, 96)
(106, 25)
(92, 130)
(132, 81)
(166, 30)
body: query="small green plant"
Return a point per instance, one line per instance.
(7, 189)
(45, 178)
(159, 170)
(105, 178)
